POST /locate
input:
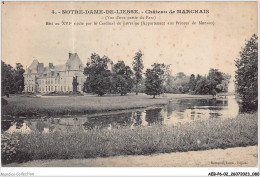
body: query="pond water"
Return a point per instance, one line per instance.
(175, 112)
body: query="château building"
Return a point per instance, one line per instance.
(54, 78)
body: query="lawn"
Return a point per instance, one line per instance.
(75, 144)
(72, 105)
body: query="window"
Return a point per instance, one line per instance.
(32, 89)
(46, 89)
(51, 81)
(65, 88)
(49, 88)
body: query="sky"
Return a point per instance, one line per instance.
(188, 48)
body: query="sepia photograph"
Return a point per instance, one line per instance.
(129, 84)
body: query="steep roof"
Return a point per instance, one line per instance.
(33, 67)
(74, 62)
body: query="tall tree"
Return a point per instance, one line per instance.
(223, 87)
(166, 75)
(154, 80)
(122, 78)
(192, 83)
(98, 80)
(215, 77)
(7, 79)
(202, 86)
(138, 68)
(19, 78)
(247, 73)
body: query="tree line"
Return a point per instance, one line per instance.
(119, 79)
(247, 74)
(123, 79)
(12, 80)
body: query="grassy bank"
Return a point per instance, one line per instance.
(53, 106)
(194, 136)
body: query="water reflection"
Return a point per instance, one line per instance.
(176, 111)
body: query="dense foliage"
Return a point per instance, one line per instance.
(247, 73)
(212, 83)
(138, 69)
(119, 78)
(154, 79)
(98, 80)
(102, 79)
(12, 80)
(177, 84)
(122, 80)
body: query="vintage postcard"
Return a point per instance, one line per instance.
(129, 84)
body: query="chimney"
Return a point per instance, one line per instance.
(51, 65)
